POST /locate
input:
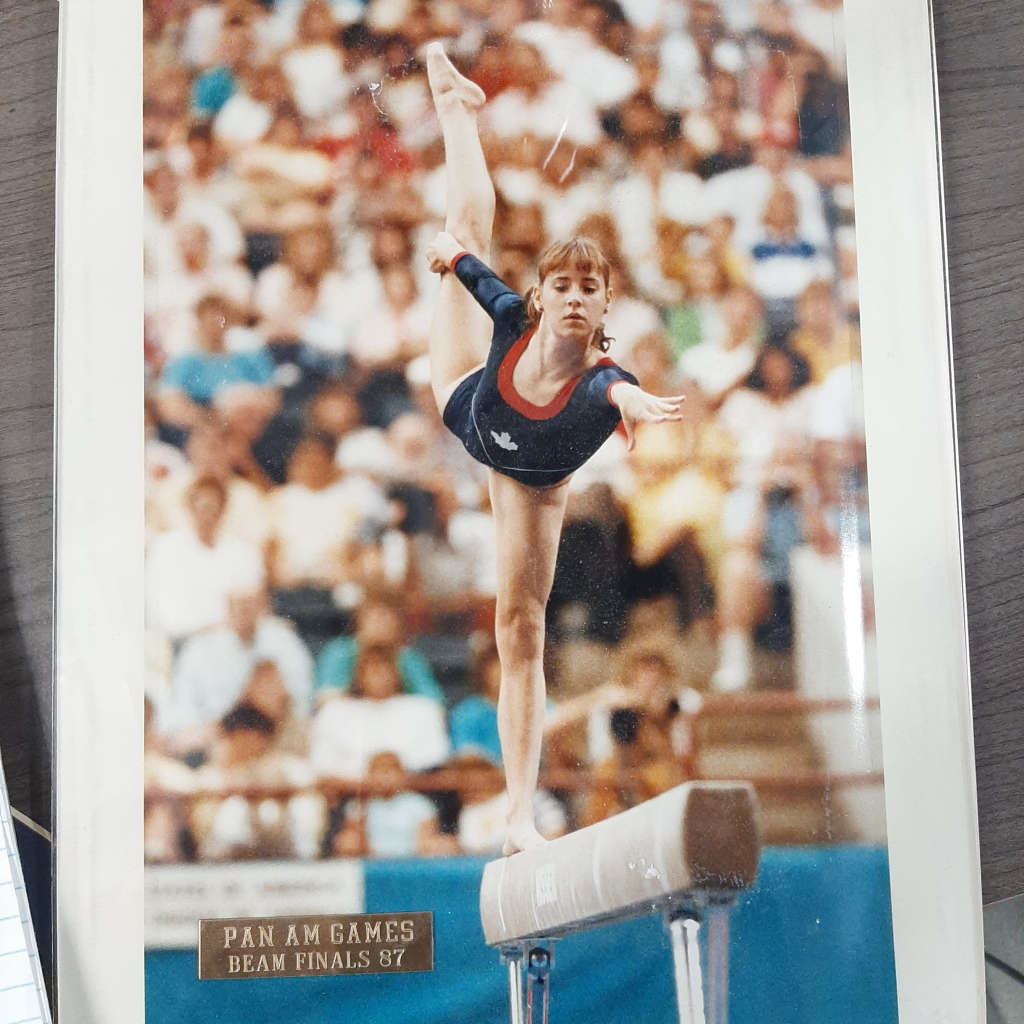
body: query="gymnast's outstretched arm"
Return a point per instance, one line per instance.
(638, 406)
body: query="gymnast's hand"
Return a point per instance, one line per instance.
(442, 250)
(636, 406)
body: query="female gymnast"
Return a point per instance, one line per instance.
(532, 397)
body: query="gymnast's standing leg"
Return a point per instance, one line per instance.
(528, 521)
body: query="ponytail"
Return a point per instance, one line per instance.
(532, 310)
(601, 340)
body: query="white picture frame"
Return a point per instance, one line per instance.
(915, 517)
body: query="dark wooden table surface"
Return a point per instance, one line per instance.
(981, 91)
(981, 80)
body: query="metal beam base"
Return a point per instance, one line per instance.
(685, 926)
(536, 958)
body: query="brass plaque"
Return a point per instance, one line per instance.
(315, 947)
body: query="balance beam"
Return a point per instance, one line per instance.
(699, 840)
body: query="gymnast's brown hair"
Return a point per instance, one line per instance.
(586, 255)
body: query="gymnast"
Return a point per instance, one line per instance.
(532, 397)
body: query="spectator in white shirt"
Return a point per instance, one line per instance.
(540, 103)
(207, 175)
(605, 76)
(166, 211)
(349, 729)
(650, 191)
(717, 365)
(783, 261)
(743, 193)
(771, 419)
(210, 454)
(202, 32)
(768, 414)
(313, 517)
(304, 297)
(282, 179)
(315, 65)
(191, 571)
(172, 297)
(557, 34)
(397, 331)
(249, 113)
(215, 668)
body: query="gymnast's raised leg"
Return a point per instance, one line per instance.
(460, 332)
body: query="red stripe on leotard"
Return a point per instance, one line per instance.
(523, 406)
(608, 390)
(507, 388)
(620, 427)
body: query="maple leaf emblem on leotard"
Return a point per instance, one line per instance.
(504, 440)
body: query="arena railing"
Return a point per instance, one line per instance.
(695, 709)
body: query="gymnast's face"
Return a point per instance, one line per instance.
(573, 301)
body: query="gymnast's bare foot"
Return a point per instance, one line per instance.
(446, 84)
(520, 838)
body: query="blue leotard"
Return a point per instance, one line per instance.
(539, 445)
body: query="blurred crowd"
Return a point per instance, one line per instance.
(321, 563)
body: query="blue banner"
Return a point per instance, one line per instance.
(810, 944)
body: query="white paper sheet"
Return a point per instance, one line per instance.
(22, 997)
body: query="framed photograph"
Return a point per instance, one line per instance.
(508, 535)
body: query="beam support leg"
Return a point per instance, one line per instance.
(684, 930)
(718, 964)
(513, 957)
(539, 961)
